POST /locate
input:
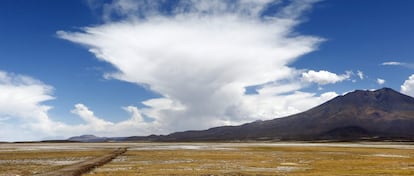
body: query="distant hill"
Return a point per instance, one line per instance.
(93, 138)
(383, 114)
(87, 138)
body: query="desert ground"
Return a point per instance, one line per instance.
(313, 159)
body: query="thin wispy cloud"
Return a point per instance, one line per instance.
(393, 63)
(360, 74)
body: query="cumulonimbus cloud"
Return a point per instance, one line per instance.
(201, 55)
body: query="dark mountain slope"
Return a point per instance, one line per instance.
(383, 113)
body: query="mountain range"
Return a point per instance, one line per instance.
(383, 114)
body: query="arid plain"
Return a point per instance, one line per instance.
(212, 158)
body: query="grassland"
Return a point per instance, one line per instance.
(213, 159)
(248, 159)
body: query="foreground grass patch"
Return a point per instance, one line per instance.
(30, 162)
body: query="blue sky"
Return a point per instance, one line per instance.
(122, 67)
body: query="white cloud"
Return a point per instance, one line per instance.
(201, 57)
(21, 100)
(323, 77)
(89, 117)
(392, 63)
(360, 74)
(402, 64)
(96, 125)
(24, 116)
(380, 81)
(408, 86)
(266, 107)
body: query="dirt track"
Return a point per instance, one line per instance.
(85, 166)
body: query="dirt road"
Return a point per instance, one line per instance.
(85, 166)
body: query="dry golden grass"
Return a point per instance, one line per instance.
(264, 160)
(29, 162)
(214, 159)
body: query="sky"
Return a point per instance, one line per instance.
(141, 67)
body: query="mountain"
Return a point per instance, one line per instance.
(381, 114)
